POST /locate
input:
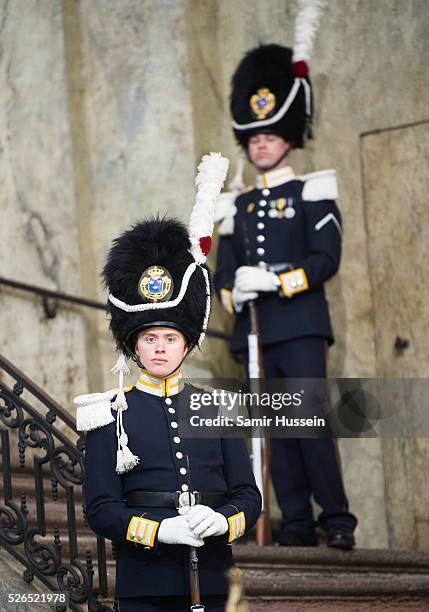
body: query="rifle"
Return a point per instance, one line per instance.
(260, 446)
(194, 579)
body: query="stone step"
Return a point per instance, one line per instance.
(55, 514)
(325, 572)
(301, 579)
(304, 604)
(333, 604)
(323, 557)
(23, 483)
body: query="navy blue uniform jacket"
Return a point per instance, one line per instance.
(216, 465)
(311, 240)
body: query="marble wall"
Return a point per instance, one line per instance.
(39, 222)
(105, 109)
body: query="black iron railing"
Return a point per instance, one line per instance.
(41, 449)
(50, 301)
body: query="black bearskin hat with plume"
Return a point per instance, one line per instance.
(165, 245)
(271, 89)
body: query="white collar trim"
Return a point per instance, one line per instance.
(161, 387)
(274, 178)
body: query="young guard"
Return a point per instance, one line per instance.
(152, 491)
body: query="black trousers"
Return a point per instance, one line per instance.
(212, 603)
(305, 466)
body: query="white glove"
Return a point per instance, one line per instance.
(204, 521)
(176, 530)
(225, 206)
(240, 297)
(225, 211)
(253, 278)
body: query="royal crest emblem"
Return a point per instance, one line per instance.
(262, 103)
(156, 284)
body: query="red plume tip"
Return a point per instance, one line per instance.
(300, 69)
(205, 244)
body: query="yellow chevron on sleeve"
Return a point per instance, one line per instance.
(293, 282)
(226, 299)
(237, 526)
(142, 531)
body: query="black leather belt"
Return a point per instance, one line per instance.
(167, 499)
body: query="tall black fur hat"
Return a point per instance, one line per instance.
(146, 265)
(156, 274)
(271, 89)
(270, 94)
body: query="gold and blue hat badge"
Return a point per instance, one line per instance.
(156, 284)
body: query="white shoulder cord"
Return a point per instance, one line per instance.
(125, 459)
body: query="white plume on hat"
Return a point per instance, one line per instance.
(209, 182)
(306, 24)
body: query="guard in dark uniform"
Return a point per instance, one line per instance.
(147, 488)
(280, 242)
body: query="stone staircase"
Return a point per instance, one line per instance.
(278, 578)
(304, 579)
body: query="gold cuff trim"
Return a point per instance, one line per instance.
(237, 526)
(226, 299)
(142, 531)
(293, 282)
